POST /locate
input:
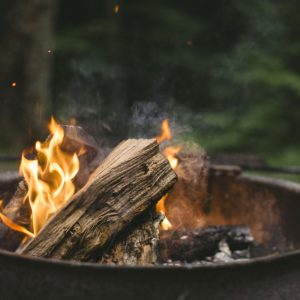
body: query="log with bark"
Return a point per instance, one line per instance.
(128, 182)
(138, 245)
(197, 244)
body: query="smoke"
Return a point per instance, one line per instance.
(146, 119)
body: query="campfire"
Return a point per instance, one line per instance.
(143, 204)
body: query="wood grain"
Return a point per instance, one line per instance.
(131, 179)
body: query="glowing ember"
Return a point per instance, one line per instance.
(170, 154)
(73, 121)
(49, 179)
(117, 8)
(14, 84)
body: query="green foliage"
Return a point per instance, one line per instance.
(234, 64)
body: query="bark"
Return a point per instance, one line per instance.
(138, 245)
(130, 180)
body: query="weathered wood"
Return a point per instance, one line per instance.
(131, 179)
(136, 245)
(17, 211)
(197, 244)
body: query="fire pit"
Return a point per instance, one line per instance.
(227, 234)
(274, 276)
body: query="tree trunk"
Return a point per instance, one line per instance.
(24, 60)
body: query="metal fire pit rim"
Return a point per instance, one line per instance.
(274, 182)
(269, 259)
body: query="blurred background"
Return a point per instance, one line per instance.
(225, 73)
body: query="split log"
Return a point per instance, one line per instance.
(138, 245)
(197, 244)
(131, 179)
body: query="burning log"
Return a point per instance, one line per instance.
(131, 179)
(197, 244)
(8, 185)
(18, 212)
(138, 245)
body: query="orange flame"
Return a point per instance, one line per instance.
(9, 223)
(166, 134)
(170, 153)
(49, 177)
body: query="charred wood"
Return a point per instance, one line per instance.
(8, 184)
(197, 244)
(17, 211)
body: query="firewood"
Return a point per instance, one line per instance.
(8, 184)
(18, 212)
(138, 244)
(197, 244)
(131, 179)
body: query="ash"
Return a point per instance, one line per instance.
(223, 255)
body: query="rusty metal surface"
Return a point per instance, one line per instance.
(271, 277)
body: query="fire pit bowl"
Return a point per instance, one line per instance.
(269, 207)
